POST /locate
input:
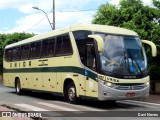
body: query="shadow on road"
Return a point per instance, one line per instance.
(105, 105)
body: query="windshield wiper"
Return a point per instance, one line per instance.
(135, 62)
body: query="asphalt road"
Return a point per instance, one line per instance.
(51, 105)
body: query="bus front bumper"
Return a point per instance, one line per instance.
(108, 93)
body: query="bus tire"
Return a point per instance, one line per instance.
(71, 96)
(18, 87)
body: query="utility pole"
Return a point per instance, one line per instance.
(53, 15)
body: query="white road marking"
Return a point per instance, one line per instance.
(143, 102)
(79, 106)
(140, 104)
(56, 106)
(30, 107)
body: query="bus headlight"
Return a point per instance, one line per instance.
(147, 83)
(109, 84)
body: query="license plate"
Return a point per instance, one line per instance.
(130, 94)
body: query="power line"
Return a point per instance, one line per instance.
(60, 11)
(35, 24)
(76, 10)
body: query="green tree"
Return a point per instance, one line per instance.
(134, 15)
(6, 39)
(156, 3)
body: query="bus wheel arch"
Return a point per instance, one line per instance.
(69, 91)
(18, 87)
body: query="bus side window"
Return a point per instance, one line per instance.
(38, 49)
(51, 46)
(66, 47)
(58, 50)
(8, 54)
(16, 53)
(25, 52)
(35, 49)
(44, 51)
(81, 38)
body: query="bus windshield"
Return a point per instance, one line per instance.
(123, 55)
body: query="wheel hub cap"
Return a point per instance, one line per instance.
(71, 93)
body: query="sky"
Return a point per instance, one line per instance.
(19, 16)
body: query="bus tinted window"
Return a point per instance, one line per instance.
(81, 37)
(16, 53)
(66, 47)
(44, 48)
(59, 45)
(35, 49)
(8, 54)
(25, 52)
(51, 46)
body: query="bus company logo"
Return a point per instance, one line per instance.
(42, 62)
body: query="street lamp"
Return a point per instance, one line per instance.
(45, 14)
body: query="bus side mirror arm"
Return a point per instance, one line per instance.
(153, 46)
(99, 40)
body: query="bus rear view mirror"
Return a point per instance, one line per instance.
(153, 46)
(99, 40)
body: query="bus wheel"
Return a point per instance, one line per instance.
(18, 87)
(71, 93)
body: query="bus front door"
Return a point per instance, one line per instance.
(90, 57)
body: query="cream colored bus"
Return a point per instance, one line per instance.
(82, 61)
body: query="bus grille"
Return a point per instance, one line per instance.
(133, 87)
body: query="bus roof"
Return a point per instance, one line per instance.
(89, 27)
